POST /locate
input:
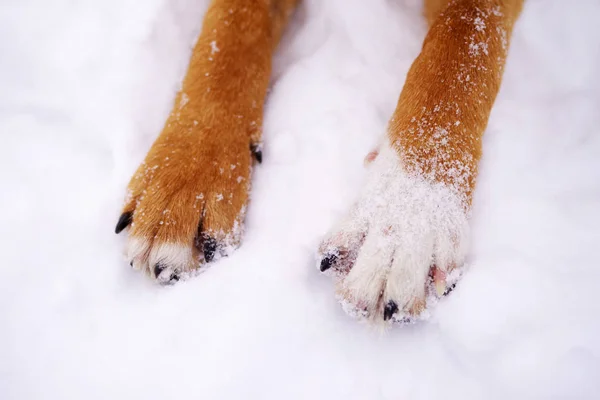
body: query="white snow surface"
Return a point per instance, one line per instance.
(87, 85)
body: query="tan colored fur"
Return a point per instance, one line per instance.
(446, 101)
(194, 182)
(198, 170)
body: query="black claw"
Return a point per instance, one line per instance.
(328, 262)
(209, 247)
(449, 289)
(131, 263)
(158, 268)
(256, 150)
(124, 221)
(389, 310)
(199, 236)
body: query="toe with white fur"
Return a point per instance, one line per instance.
(384, 253)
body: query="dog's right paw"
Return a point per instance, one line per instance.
(185, 204)
(401, 246)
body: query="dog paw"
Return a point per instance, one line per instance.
(185, 204)
(400, 247)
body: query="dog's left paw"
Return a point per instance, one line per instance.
(400, 247)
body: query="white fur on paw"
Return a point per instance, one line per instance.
(407, 225)
(164, 262)
(172, 260)
(137, 251)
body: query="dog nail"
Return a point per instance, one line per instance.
(449, 289)
(209, 247)
(390, 309)
(440, 288)
(124, 221)
(328, 262)
(158, 268)
(256, 150)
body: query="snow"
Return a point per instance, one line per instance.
(399, 223)
(87, 85)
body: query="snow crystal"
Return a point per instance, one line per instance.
(213, 47)
(479, 24)
(184, 100)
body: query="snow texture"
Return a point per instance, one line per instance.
(87, 85)
(399, 226)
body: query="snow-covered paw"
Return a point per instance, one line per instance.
(400, 248)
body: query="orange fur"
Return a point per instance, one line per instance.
(189, 195)
(197, 173)
(446, 101)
